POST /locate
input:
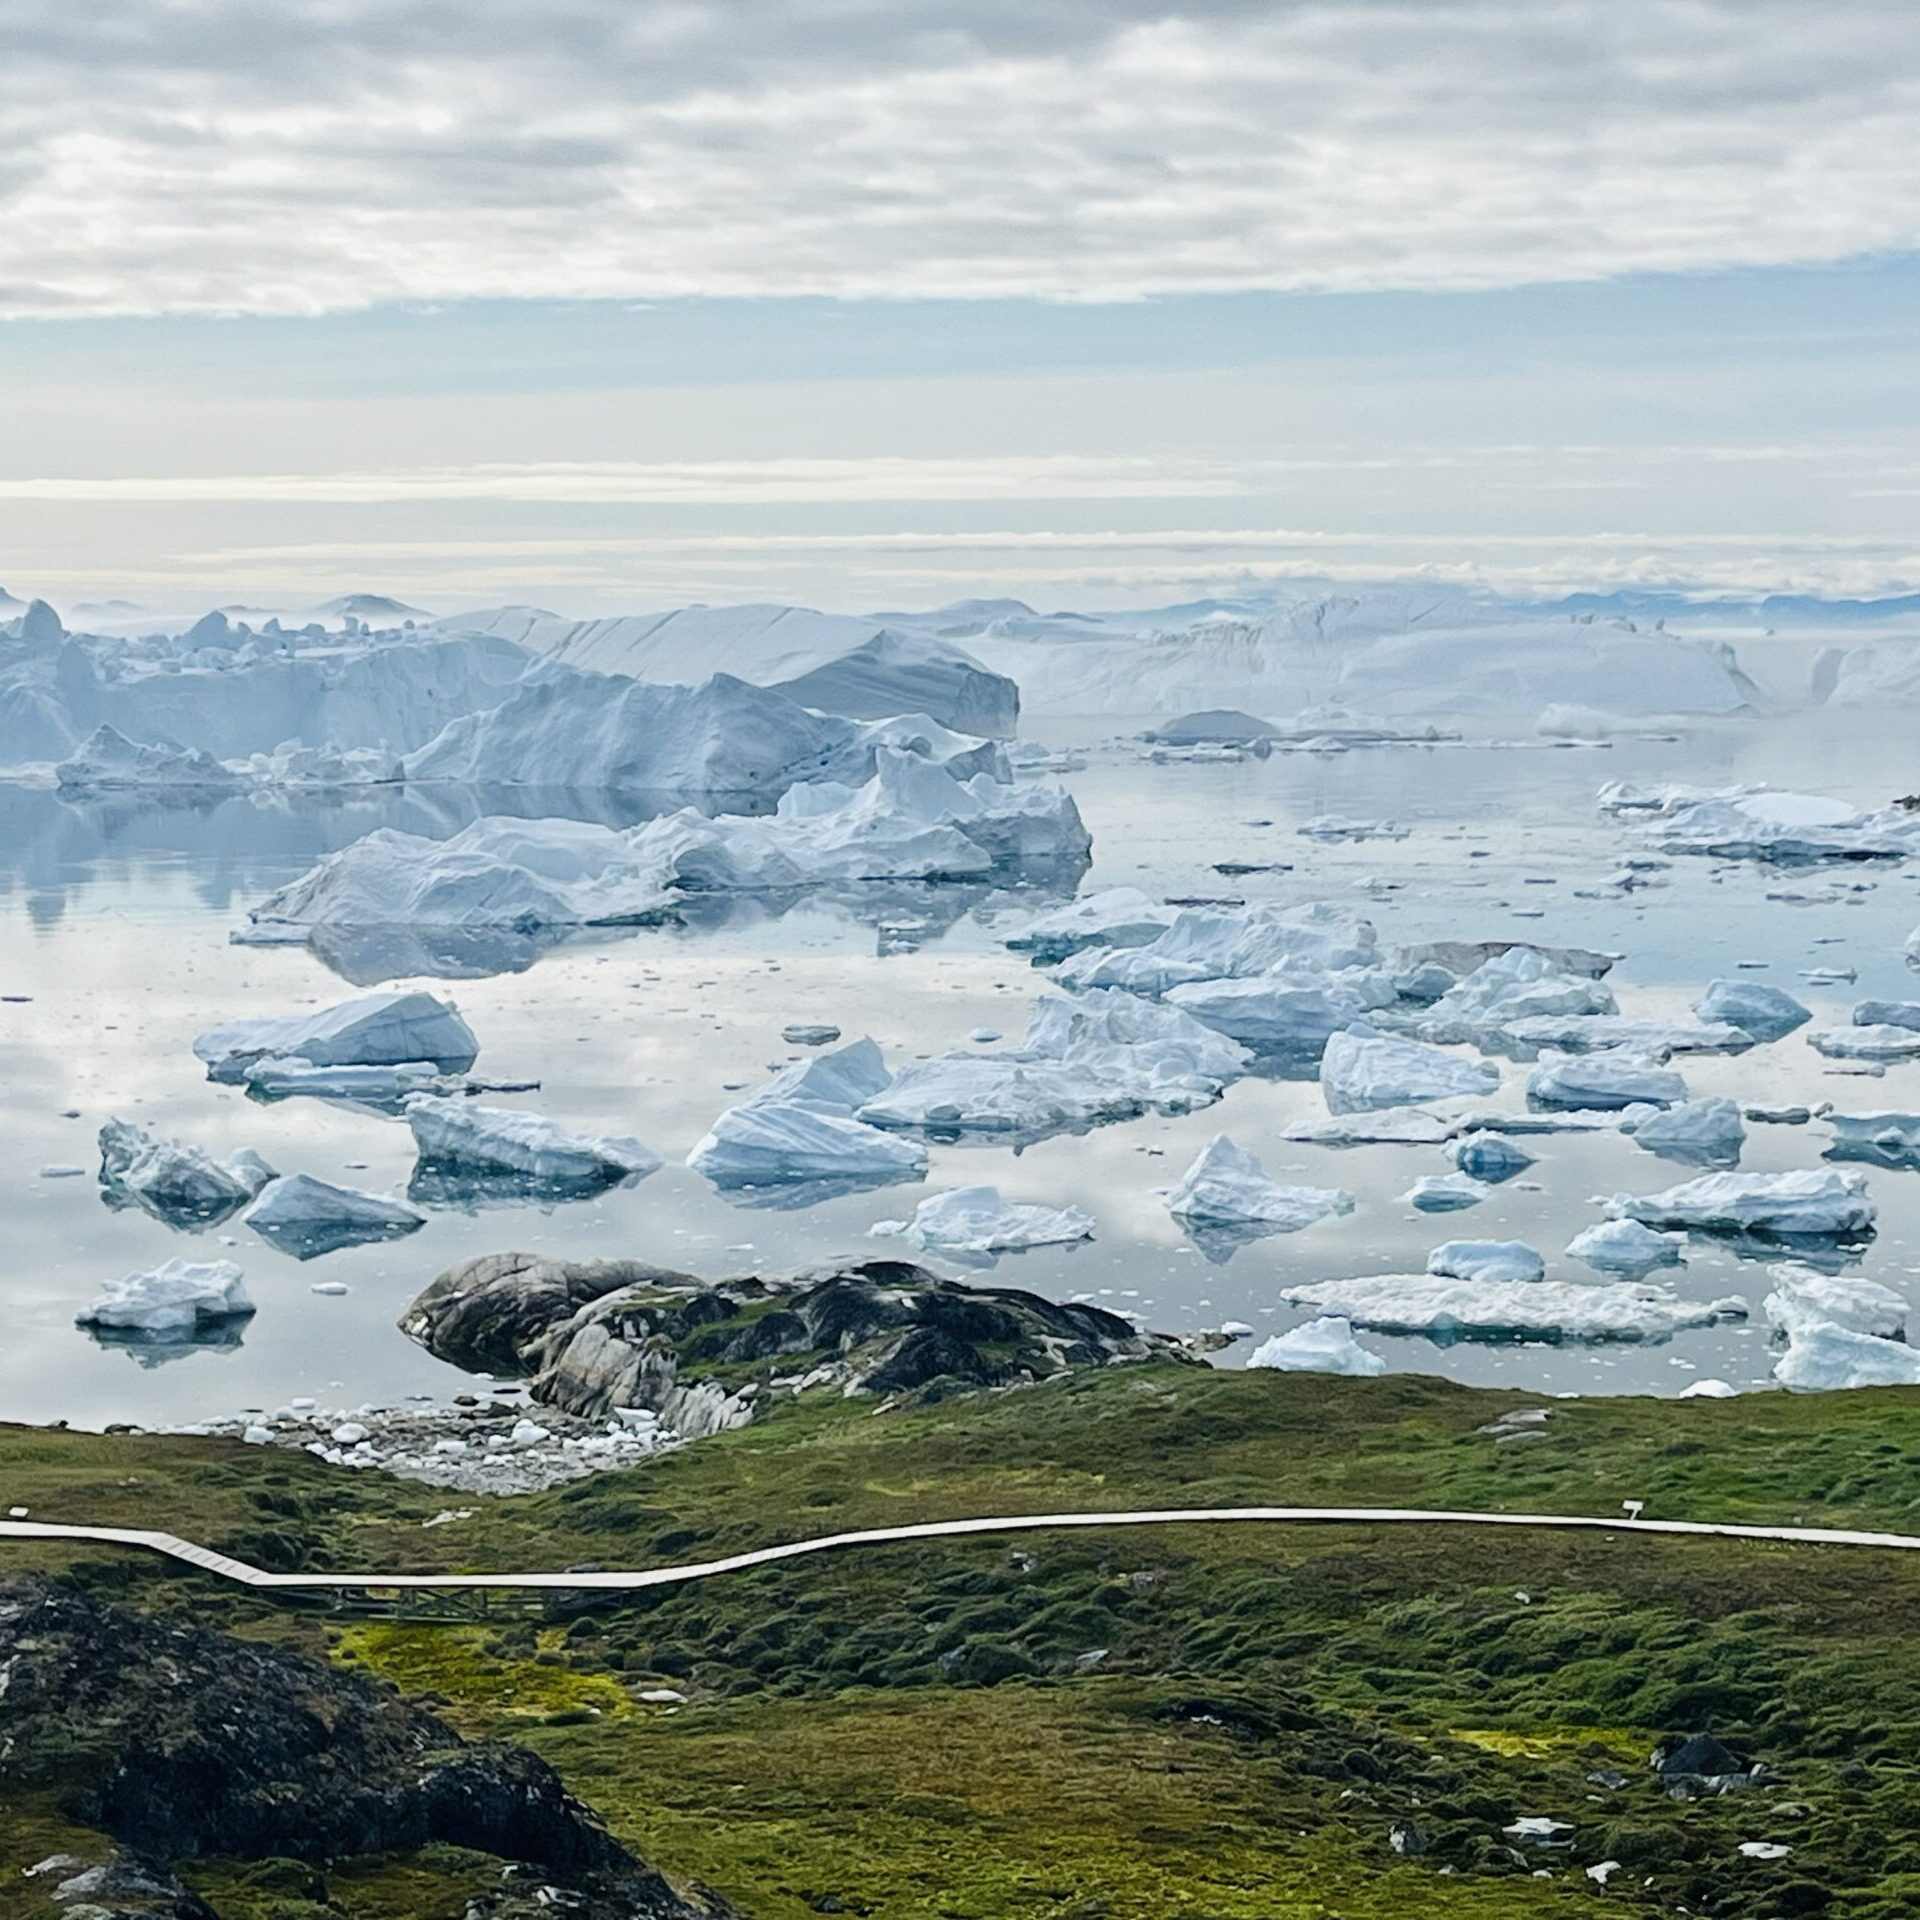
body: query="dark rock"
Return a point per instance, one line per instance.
(180, 1743)
(1407, 1839)
(1696, 1757)
(123, 1888)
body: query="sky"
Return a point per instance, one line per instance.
(873, 302)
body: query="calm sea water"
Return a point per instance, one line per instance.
(114, 920)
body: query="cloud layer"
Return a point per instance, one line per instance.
(307, 155)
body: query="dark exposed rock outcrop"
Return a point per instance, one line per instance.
(699, 1353)
(180, 1743)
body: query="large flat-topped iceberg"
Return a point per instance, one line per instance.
(1813, 1205)
(1547, 1310)
(1760, 823)
(837, 663)
(1362, 1070)
(911, 821)
(379, 1030)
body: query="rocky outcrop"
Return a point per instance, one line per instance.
(700, 1353)
(180, 1743)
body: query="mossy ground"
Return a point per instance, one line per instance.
(926, 1731)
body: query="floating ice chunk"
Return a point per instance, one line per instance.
(1118, 917)
(1883, 1042)
(1886, 1138)
(1709, 1390)
(177, 1183)
(172, 1298)
(380, 1029)
(1272, 1013)
(1823, 1205)
(1748, 823)
(459, 1134)
(1824, 1358)
(1445, 1193)
(1548, 1310)
(107, 761)
(800, 1128)
(1597, 1033)
(282, 1079)
(1519, 984)
(1390, 1126)
(307, 1217)
(1223, 943)
(976, 1220)
(1804, 1298)
(1325, 1345)
(1627, 1248)
(1707, 1133)
(1766, 1012)
(1887, 1013)
(809, 1034)
(1340, 826)
(1226, 1187)
(1490, 1157)
(1461, 958)
(1362, 1070)
(1604, 1082)
(1489, 1260)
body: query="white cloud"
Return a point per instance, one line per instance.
(315, 154)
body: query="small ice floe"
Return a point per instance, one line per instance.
(1549, 1310)
(1387, 1127)
(1763, 1115)
(1886, 1138)
(1521, 983)
(1824, 1358)
(975, 1220)
(807, 1034)
(1882, 1042)
(1814, 1205)
(1490, 1157)
(63, 1170)
(1232, 943)
(1766, 1012)
(463, 1138)
(1626, 1248)
(799, 1129)
(384, 1087)
(1362, 1071)
(1325, 1345)
(179, 1184)
(1804, 1300)
(1493, 1261)
(1119, 917)
(1340, 826)
(1704, 1133)
(1604, 1081)
(171, 1299)
(1709, 1390)
(1445, 1193)
(1835, 976)
(1606, 1032)
(1755, 823)
(1225, 1186)
(306, 1217)
(1887, 1013)
(379, 1030)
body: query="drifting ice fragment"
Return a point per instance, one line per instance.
(1362, 1070)
(381, 1029)
(976, 1220)
(177, 1183)
(1550, 1310)
(1445, 1193)
(1226, 1187)
(171, 1298)
(1604, 1082)
(1804, 1299)
(1119, 917)
(1705, 1133)
(1494, 1261)
(1824, 1358)
(1765, 1012)
(1490, 1157)
(1627, 1248)
(1821, 1205)
(307, 1217)
(1883, 1042)
(1325, 1345)
(460, 1135)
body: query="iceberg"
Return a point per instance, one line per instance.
(1226, 1187)
(1887, 1139)
(1227, 943)
(179, 1184)
(1389, 1127)
(1085, 1059)
(379, 1030)
(975, 1220)
(800, 1128)
(1608, 1033)
(1325, 1345)
(1273, 1014)
(910, 821)
(1518, 984)
(1707, 1133)
(1824, 1358)
(1445, 1193)
(1804, 1300)
(1757, 823)
(1362, 1070)
(1765, 1012)
(1213, 727)
(381, 1087)
(1822, 1205)
(1604, 1082)
(1117, 917)
(107, 761)
(1888, 1013)
(1490, 1157)
(1627, 1248)
(1493, 1261)
(170, 1299)
(1329, 827)
(1882, 1042)
(307, 1217)
(468, 1139)
(1548, 1310)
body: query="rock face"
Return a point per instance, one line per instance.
(605, 1335)
(180, 1743)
